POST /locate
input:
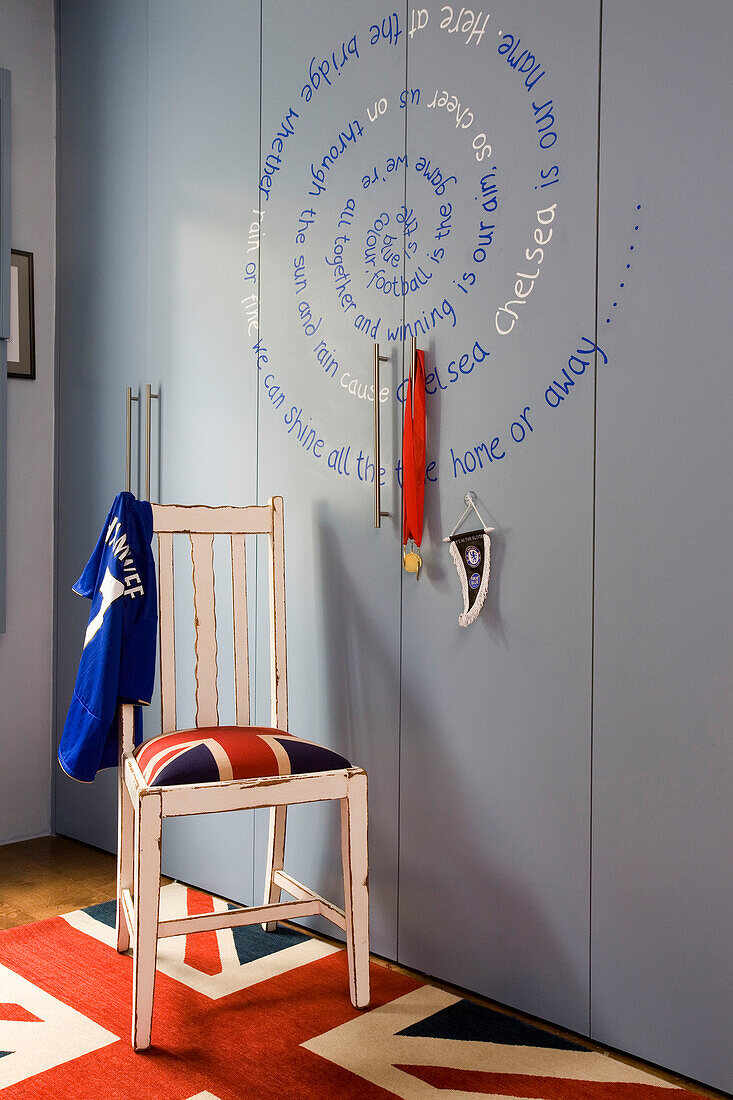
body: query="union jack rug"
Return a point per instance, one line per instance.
(241, 1013)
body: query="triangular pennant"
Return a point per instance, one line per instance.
(472, 554)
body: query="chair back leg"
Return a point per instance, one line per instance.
(275, 858)
(356, 889)
(125, 829)
(148, 829)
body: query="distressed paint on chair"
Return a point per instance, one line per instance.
(241, 634)
(166, 619)
(142, 807)
(207, 696)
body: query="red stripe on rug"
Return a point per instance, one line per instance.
(536, 1087)
(247, 1044)
(17, 1014)
(202, 948)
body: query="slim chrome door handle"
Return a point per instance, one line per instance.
(378, 513)
(149, 398)
(413, 357)
(128, 447)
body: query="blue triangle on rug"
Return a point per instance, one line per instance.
(466, 1021)
(105, 912)
(252, 942)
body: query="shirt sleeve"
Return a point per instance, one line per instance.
(88, 581)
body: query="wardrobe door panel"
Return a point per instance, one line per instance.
(202, 191)
(495, 760)
(102, 187)
(5, 83)
(663, 813)
(331, 84)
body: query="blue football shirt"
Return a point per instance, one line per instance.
(118, 658)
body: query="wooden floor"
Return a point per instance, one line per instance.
(49, 876)
(54, 875)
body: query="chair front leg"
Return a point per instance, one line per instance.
(275, 858)
(148, 830)
(354, 854)
(125, 842)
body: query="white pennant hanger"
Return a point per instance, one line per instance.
(470, 500)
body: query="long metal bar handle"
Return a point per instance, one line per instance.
(378, 513)
(413, 359)
(149, 398)
(128, 443)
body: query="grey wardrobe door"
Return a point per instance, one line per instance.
(495, 754)
(203, 117)
(4, 312)
(102, 229)
(663, 755)
(324, 73)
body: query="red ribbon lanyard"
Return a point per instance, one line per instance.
(413, 455)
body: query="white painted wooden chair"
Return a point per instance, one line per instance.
(215, 769)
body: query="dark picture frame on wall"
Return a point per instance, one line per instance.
(22, 343)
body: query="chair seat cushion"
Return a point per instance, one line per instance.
(211, 754)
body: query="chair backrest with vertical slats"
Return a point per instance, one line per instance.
(200, 524)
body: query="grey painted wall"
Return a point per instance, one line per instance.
(27, 50)
(537, 827)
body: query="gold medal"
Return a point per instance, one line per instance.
(412, 561)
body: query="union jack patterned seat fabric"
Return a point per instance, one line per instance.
(211, 754)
